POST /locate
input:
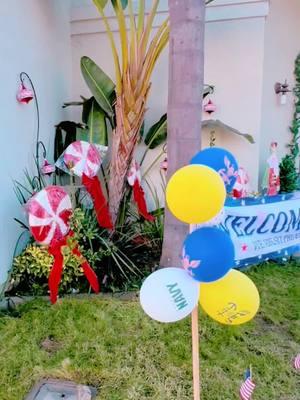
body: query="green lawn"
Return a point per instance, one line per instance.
(112, 345)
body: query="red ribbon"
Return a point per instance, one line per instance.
(55, 250)
(139, 198)
(93, 186)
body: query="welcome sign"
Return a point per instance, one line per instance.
(263, 228)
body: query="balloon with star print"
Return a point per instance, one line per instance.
(208, 254)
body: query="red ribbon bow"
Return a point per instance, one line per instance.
(134, 180)
(55, 249)
(93, 186)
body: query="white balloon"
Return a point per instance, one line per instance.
(169, 294)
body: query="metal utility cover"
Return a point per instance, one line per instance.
(60, 390)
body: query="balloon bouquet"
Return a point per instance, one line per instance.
(196, 194)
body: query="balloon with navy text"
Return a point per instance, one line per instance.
(169, 295)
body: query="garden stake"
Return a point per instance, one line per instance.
(195, 350)
(195, 346)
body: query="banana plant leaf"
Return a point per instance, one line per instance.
(123, 2)
(100, 3)
(95, 119)
(219, 127)
(99, 84)
(157, 134)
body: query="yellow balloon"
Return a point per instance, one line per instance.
(232, 300)
(195, 194)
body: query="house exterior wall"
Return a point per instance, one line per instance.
(282, 45)
(35, 37)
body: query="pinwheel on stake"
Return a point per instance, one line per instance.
(83, 159)
(49, 212)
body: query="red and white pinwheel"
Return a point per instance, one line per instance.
(134, 179)
(83, 159)
(49, 212)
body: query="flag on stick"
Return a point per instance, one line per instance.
(247, 387)
(297, 362)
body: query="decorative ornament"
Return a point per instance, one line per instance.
(164, 164)
(83, 160)
(49, 212)
(210, 107)
(272, 176)
(24, 95)
(134, 180)
(47, 168)
(241, 186)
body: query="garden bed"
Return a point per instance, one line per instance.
(113, 346)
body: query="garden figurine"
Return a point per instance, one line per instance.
(241, 186)
(272, 179)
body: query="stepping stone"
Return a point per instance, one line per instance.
(51, 389)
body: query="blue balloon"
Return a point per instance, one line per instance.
(221, 161)
(208, 254)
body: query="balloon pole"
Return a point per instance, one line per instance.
(195, 346)
(195, 350)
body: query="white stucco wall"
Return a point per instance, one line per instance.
(282, 45)
(234, 64)
(35, 37)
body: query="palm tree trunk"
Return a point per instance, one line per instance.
(124, 140)
(186, 65)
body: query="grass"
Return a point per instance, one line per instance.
(112, 345)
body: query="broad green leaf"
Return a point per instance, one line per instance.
(97, 125)
(86, 108)
(100, 3)
(123, 2)
(99, 84)
(96, 131)
(157, 134)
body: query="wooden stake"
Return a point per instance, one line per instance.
(195, 345)
(195, 351)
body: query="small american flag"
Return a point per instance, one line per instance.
(297, 362)
(247, 387)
